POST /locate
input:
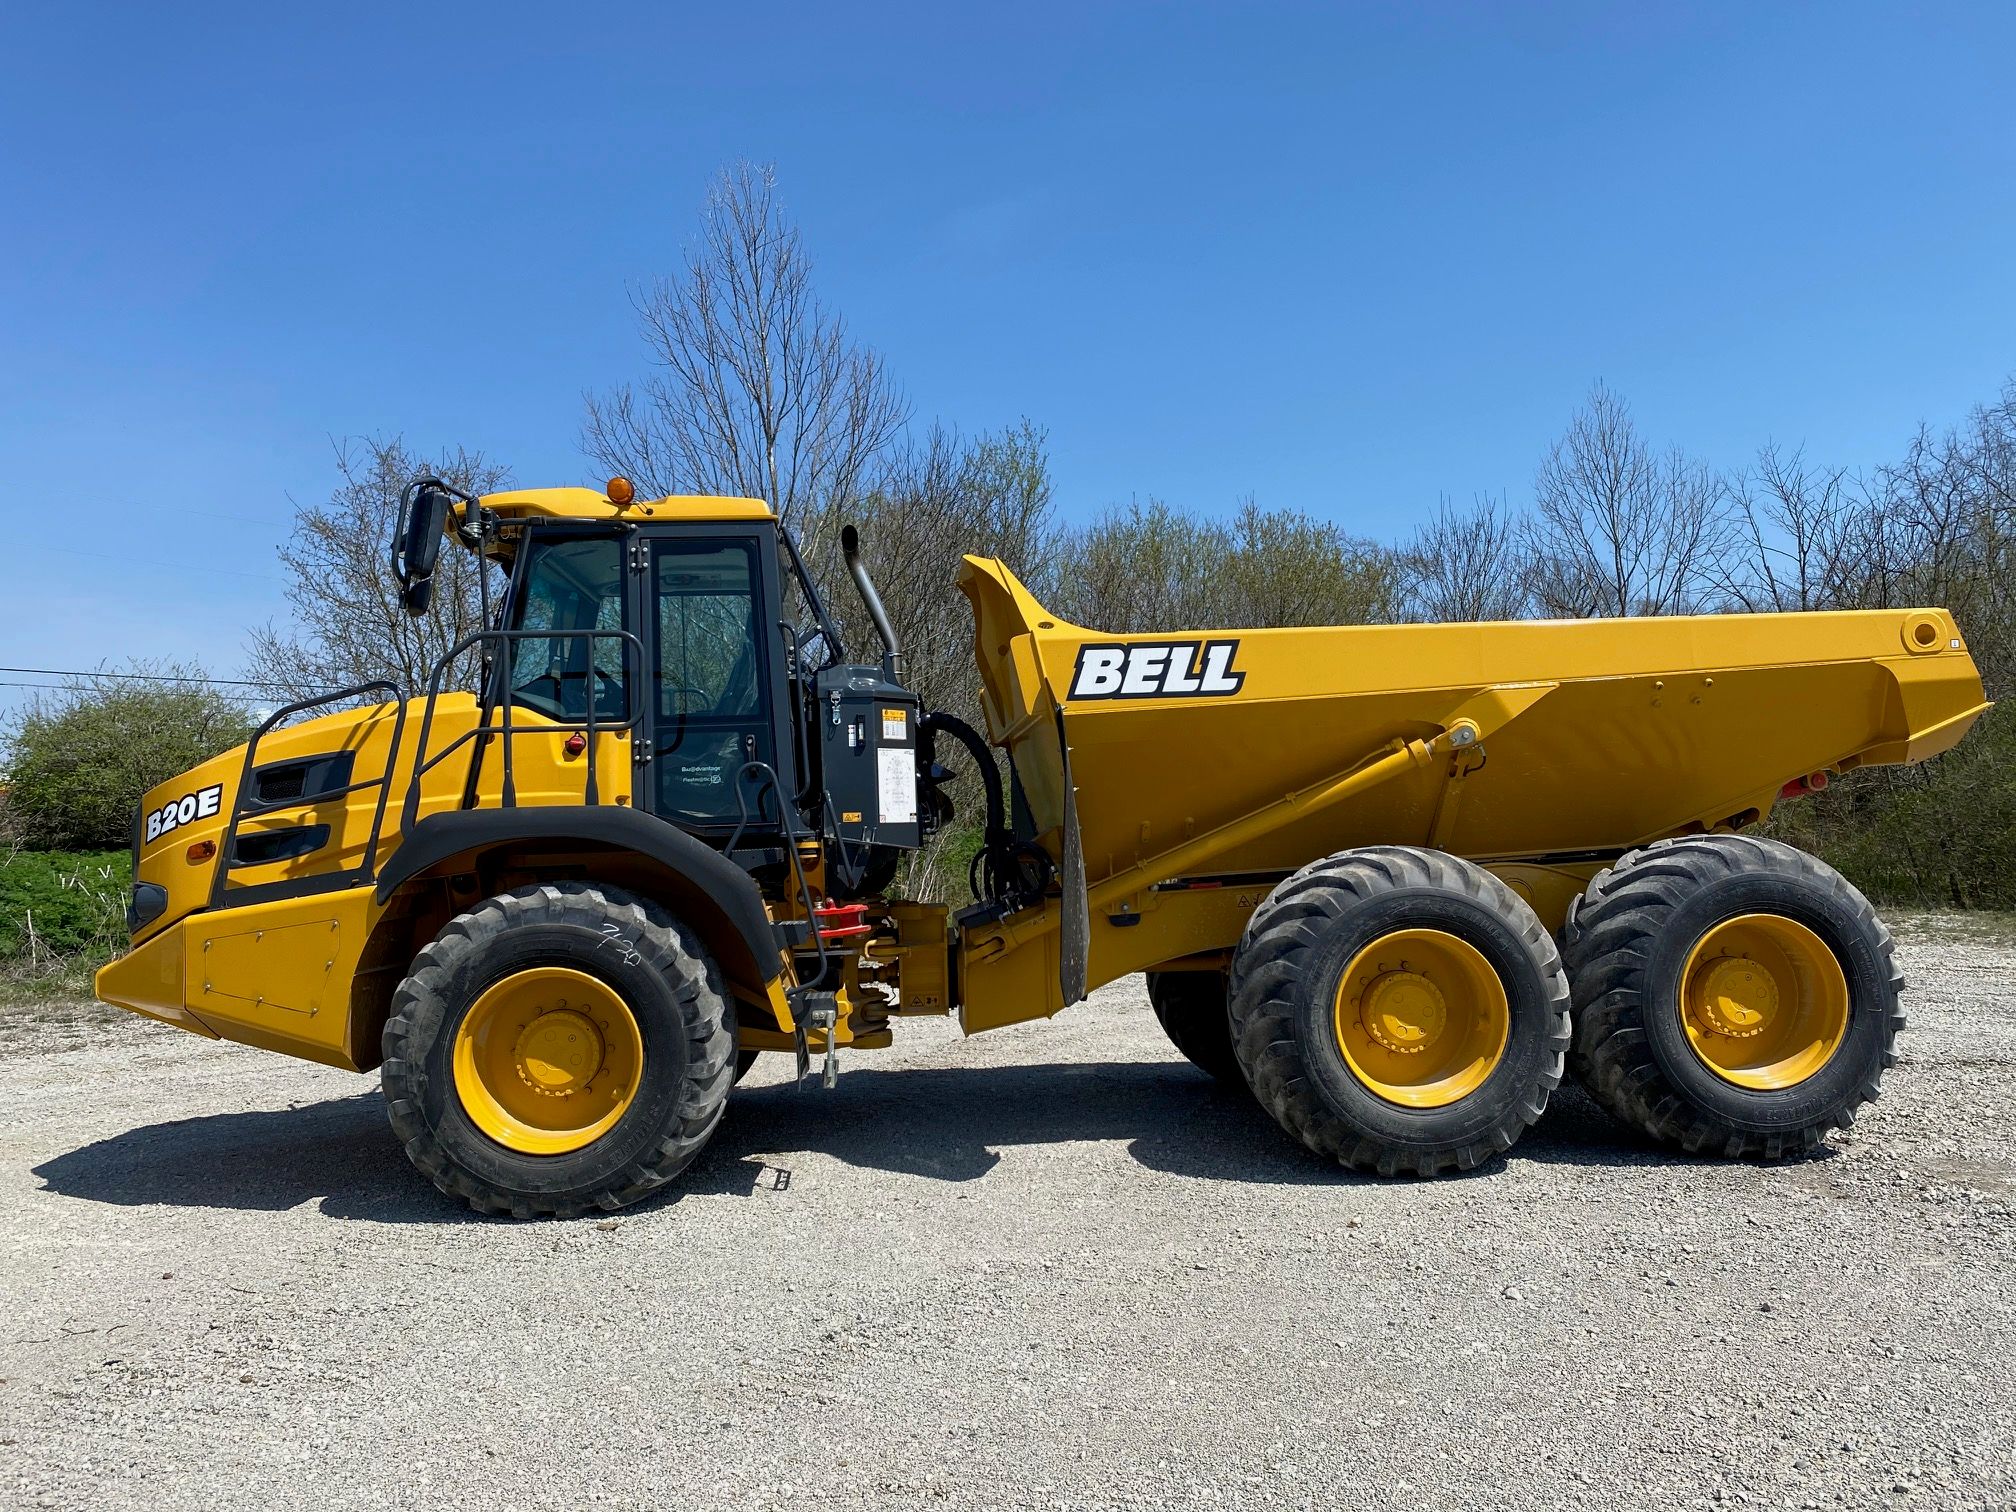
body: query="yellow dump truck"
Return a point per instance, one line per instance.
(1394, 879)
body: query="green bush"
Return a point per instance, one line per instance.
(78, 760)
(1940, 835)
(62, 907)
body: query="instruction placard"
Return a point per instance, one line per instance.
(896, 785)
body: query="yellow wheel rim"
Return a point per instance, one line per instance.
(546, 1060)
(1764, 1002)
(1422, 1018)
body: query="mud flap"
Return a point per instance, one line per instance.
(1074, 925)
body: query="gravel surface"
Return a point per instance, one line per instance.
(1050, 1266)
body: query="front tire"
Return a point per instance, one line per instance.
(1733, 995)
(1399, 1010)
(560, 1048)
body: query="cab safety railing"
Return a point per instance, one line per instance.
(247, 806)
(498, 697)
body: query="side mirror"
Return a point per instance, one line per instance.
(416, 551)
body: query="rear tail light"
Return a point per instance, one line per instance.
(1799, 787)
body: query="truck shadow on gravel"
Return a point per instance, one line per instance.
(943, 1124)
(953, 1124)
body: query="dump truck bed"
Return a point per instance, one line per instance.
(1592, 735)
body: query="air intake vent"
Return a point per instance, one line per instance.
(267, 846)
(303, 781)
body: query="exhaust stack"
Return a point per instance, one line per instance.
(892, 656)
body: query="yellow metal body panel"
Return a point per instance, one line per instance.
(1008, 972)
(543, 773)
(277, 974)
(282, 967)
(919, 956)
(150, 980)
(1548, 890)
(267, 972)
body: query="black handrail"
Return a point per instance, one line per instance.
(244, 805)
(588, 726)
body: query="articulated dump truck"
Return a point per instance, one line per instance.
(1393, 880)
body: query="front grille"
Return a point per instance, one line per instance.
(282, 786)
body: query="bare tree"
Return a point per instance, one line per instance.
(933, 501)
(1465, 564)
(348, 624)
(759, 390)
(1800, 529)
(1618, 528)
(1153, 567)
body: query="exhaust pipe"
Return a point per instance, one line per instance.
(892, 657)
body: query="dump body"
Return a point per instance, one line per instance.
(1223, 759)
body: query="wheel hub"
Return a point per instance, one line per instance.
(1764, 1001)
(1404, 1011)
(1735, 997)
(547, 1059)
(559, 1053)
(1421, 1018)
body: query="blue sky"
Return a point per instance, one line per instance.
(1338, 257)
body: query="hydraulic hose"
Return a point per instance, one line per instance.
(1006, 870)
(983, 758)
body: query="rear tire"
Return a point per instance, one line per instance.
(1191, 1006)
(1786, 1043)
(561, 996)
(1399, 1010)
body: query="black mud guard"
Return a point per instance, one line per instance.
(1074, 923)
(708, 874)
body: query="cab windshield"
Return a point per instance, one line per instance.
(571, 585)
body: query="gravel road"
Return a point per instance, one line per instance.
(1050, 1266)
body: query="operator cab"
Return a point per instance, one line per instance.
(692, 623)
(707, 692)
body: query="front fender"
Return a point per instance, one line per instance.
(700, 880)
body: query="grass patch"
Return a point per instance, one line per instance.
(62, 916)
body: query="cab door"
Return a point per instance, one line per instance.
(710, 626)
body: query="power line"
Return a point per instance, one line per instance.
(222, 682)
(244, 698)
